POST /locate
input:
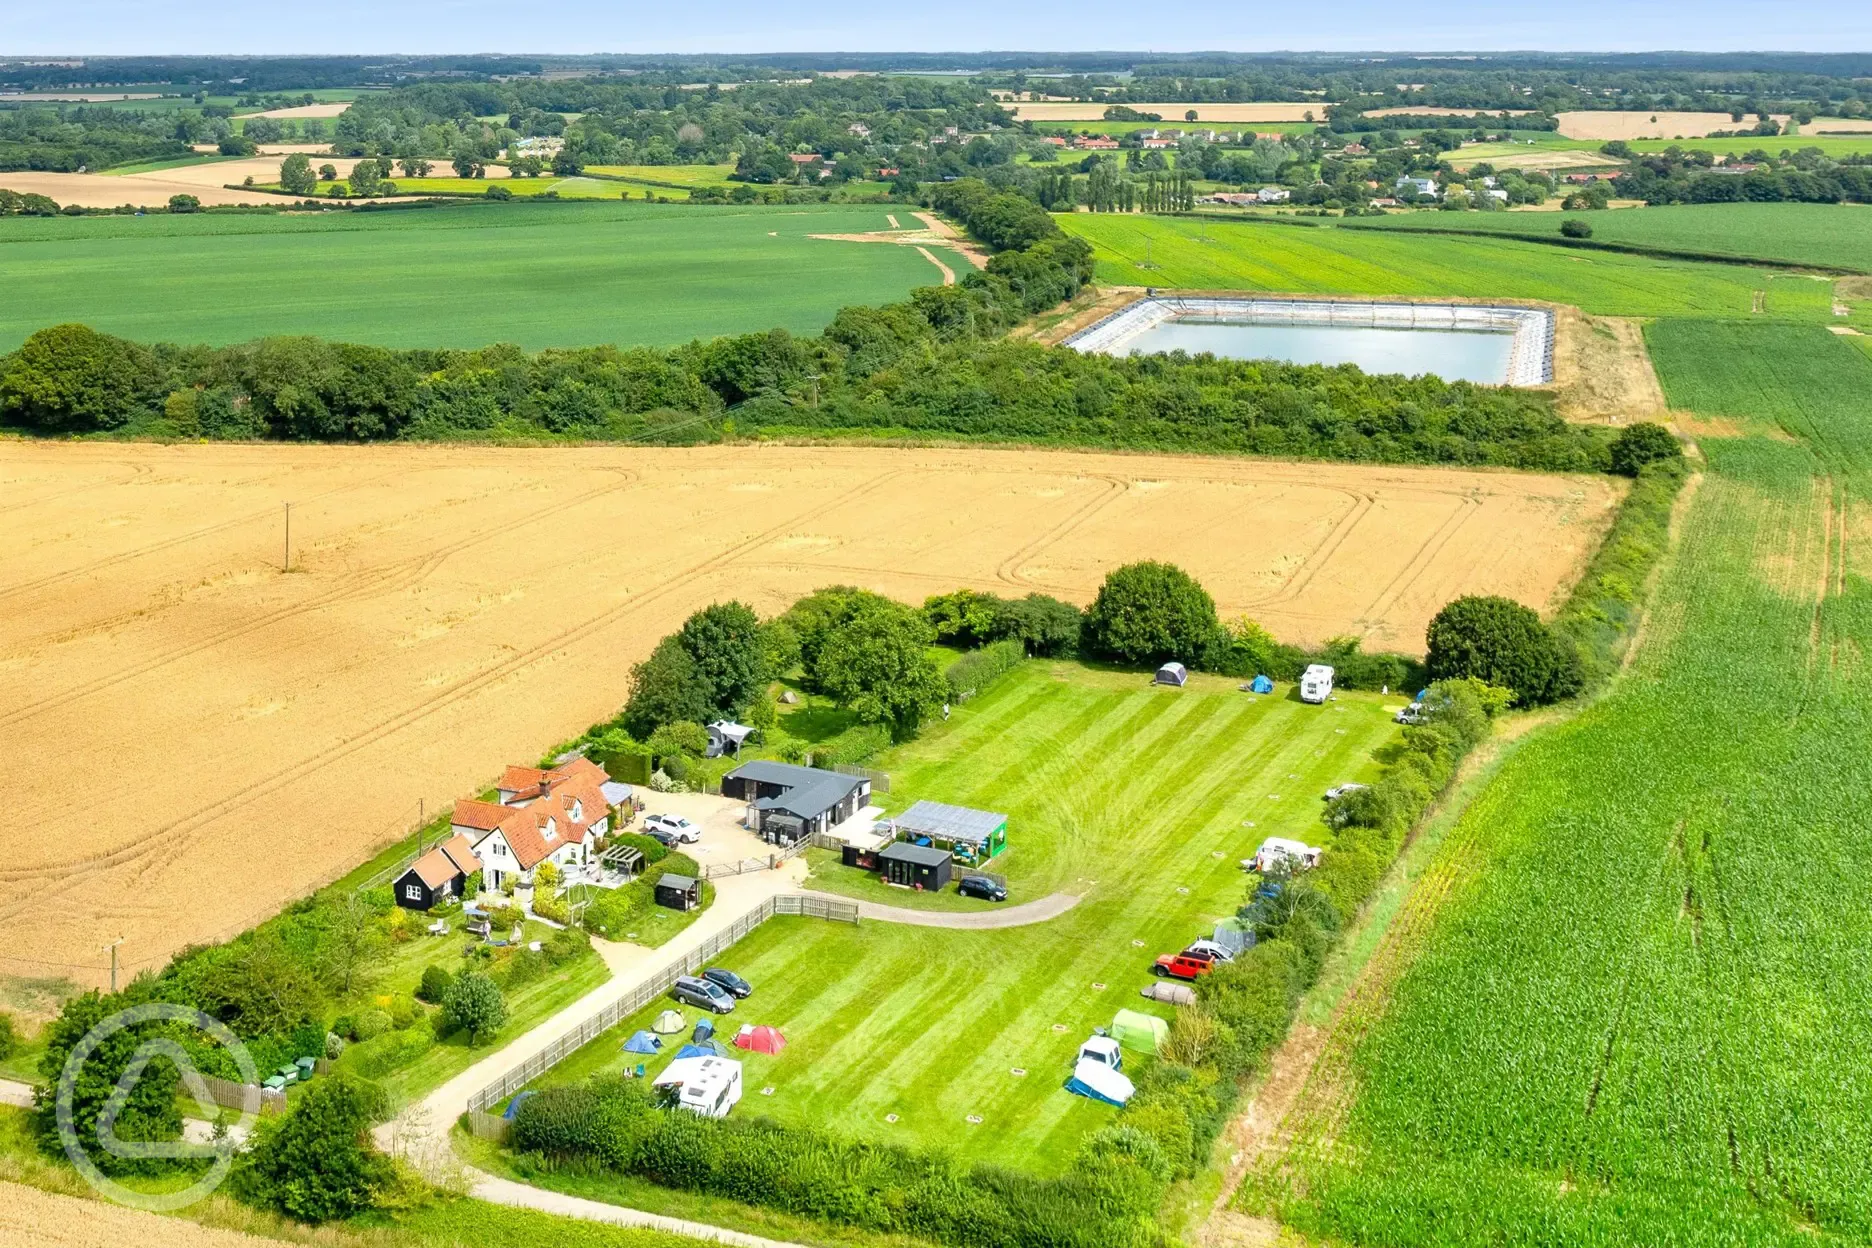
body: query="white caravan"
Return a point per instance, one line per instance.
(1316, 683)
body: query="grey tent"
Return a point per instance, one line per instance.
(1172, 674)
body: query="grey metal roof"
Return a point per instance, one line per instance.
(684, 882)
(810, 792)
(921, 855)
(951, 823)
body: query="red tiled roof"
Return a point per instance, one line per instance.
(573, 802)
(459, 850)
(482, 816)
(434, 868)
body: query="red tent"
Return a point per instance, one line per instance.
(760, 1039)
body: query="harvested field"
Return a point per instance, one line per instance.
(37, 1219)
(331, 109)
(1408, 110)
(1514, 156)
(1609, 125)
(1173, 113)
(454, 609)
(214, 182)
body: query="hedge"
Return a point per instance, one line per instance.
(978, 669)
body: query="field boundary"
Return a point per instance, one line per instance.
(1629, 249)
(654, 987)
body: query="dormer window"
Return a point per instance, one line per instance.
(578, 811)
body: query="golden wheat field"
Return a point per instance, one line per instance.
(216, 735)
(36, 1219)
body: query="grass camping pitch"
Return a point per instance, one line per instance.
(1640, 1013)
(539, 275)
(1141, 800)
(1194, 253)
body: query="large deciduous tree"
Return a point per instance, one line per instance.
(1499, 641)
(474, 1004)
(317, 1163)
(724, 643)
(876, 662)
(1150, 613)
(72, 377)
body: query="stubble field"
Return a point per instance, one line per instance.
(253, 733)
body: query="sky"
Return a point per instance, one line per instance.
(131, 27)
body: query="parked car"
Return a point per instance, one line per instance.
(1412, 714)
(735, 985)
(1340, 790)
(981, 886)
(702, 993)
(1208, 951)
(674, 825)
(666, 839)
(1182, 966)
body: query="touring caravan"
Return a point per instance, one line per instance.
(1316, 683)
(710, 1086)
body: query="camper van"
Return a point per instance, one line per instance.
(1316, 683)
(710, 1086)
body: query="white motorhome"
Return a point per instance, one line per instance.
(710, 1086)
(1316, 683)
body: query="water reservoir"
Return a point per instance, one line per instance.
(1458, 342)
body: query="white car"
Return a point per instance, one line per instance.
(1340, 790)
(674, 826)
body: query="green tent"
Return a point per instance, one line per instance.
(1143, 1032)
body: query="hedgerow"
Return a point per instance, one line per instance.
(978, 669)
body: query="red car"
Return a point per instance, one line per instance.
(1182, 966)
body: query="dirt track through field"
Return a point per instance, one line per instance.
(252, 733)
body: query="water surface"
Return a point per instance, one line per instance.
(1452, 354)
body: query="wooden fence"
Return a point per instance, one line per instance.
(653, 988)
(245, 1097)
(880, 781)
(485, 1126)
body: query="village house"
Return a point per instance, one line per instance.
(439, 874)
(1095, 143)
(1273, 194)
(552, 816)
(860, 129)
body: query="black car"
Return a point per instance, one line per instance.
(665, 839)
(981, 886)
(729, 980)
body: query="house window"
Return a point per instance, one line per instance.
(413, 892)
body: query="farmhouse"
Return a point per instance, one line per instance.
(1423, 187)
(1095, 143)
(438, 874)
(542, 816)
(1273, 194)
(789, 803)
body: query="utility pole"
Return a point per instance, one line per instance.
(287, 565)
(113, 952)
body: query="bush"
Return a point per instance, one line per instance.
(1573, 227)
(652, 849)
(1643, 443)
(370, 1024)
(316, 1163)
(1148, 613)
(497, 191)
(1499, 641)
(978, 669)
(435, 982)
(856, 745)
(72, 377)
(391, 1050)
(9, 1036)
(184, 203)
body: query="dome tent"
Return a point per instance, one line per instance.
(668, 1023)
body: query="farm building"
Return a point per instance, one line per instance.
(973, 836)
(438, 874)
(679, 892)
(790, 803)
(1173, 674)
(915, 866)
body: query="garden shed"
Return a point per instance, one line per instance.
(679, 892)
(973, 836)
(1173, 674)
(915, 866)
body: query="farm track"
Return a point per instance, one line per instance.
(161, 838)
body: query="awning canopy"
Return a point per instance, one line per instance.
(951, 823)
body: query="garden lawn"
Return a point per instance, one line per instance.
(459, 275)
(1212, 254)
(1132, 796)
(1836, 235)
(1641, 1014)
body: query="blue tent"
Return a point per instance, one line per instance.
(513, 1106)
(1261, 684)
(704, 1028)
(1423, 693)
(643, 1042)
(708, 1048)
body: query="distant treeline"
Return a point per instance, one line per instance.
(935, 366)
(1343, 121)
(66, 139)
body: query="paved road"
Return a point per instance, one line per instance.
(1050, 907)
(12, 1092)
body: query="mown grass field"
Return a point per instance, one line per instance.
(1200, 254)
(1641, 1014)
(539, 275)
(1136, 798)
(1836, 235)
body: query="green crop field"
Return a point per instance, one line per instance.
(1140, 799)
(1209, 254)
(539, 275)
(679, 175)
(1641, 1014)
(1836, 235)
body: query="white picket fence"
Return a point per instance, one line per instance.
(651, 989)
